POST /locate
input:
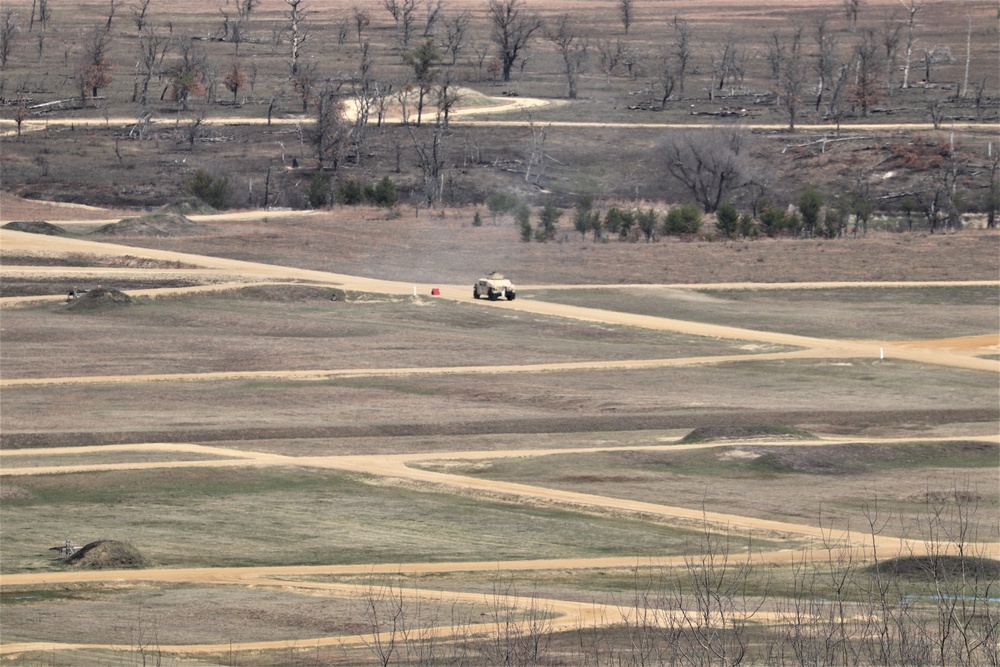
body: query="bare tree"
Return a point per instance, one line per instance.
(447, 98)
(385, 610)
(728, 65)
(8, 32)
(626, 10)
(431, 156)
(432, 15)
(791, 76)
(865, 91)
(826, 58)
(331, 132)
(911, 13)
(304, 82)
(362, 19)
(573, 49)
(95, 69)
(664, 76)
(851, 10)
(889, 35)
(111, 15)
(610, 56)
(681, 50)
(403, 13)
(455, 31)
(513, 28)
(968, 59)
(297, 15)
(153, 48)
(139, 15)
(39, 11)
(393, 7)
(537, 153)
(935, 55)
(711, 162)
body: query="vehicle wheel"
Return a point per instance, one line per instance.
(493, 295)
(475, 293)
(510, 296)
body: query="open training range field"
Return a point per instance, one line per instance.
(306, 477)
(682, 452)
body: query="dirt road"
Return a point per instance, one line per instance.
(505, 105)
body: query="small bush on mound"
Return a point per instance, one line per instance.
(107, 555)
(716, 433)
(36, 227)
(100, 298)
(154, 224)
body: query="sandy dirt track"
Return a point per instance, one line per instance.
(958, 353)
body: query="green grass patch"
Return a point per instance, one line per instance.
(230, 517)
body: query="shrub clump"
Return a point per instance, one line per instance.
(382, 194)
(213, 191)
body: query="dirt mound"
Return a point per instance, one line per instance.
(99, 298)
(154, 224)
(107, 555)
(747, 432)
(293, 293)
(939, 567)
(36, 227)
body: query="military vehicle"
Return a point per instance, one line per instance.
(493, 287)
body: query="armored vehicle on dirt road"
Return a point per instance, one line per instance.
(493, 287)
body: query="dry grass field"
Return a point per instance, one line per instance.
(692, 451)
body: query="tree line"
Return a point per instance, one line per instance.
(834, 66)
